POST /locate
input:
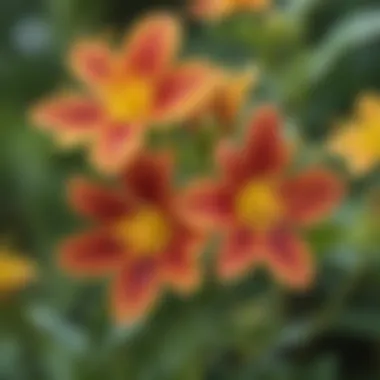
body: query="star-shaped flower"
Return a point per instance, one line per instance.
(259, 208)
(128, 90)
(138, 237)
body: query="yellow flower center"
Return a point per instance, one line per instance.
(146, 233)
(14, 272)
(259, 205)
(127, 100)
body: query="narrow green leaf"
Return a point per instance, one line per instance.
(353, 31)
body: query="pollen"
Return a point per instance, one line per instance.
(127, 99)
(147, 232)
(258, 205)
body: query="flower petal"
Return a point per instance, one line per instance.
(240, 250)
(94, 253)
(312, 195)
(356, 147)
(116, 146)
(206, 204)
(233, 166)
(290, 259)
(368, 107)
(91, 61)
(15, 273)
(184, 91)
(152, 45)
(97, 202)
(135, 290)
(266, 152)
(181, 266)
(66, 140)
(67, 113)
(149, 177)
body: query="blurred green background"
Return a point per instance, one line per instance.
(316, 56)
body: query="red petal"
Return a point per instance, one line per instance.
(206, 204)
(68, 113)
(153, 44)
(181, 261)
(135, 290)
(232, 164)
(91, 254)
(312, 195)
(97, 202)
(116, 146)
(241, 249)
(149, 177)
(290, 259)
(184, 91)
(266, 152)
(91, 61)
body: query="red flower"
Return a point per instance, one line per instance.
(129, 89)
(138, 237)
(259, 207)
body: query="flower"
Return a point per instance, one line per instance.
(358, 139)
(128, 90)
(215, 9)
(259, 208)
(138, 237)
(227, 99)
(15, 272)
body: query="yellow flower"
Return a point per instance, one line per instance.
(358, 140)
(15, 271)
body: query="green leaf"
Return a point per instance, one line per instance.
(353, 31)
(323, 237)
(58, 330)
(300, 8)
(325, 368)
(360, 324)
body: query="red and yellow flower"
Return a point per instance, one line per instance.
(138, 237)
(358, 139)
(15, 272)
(215, 9)
(128, 90)
(259, 207)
